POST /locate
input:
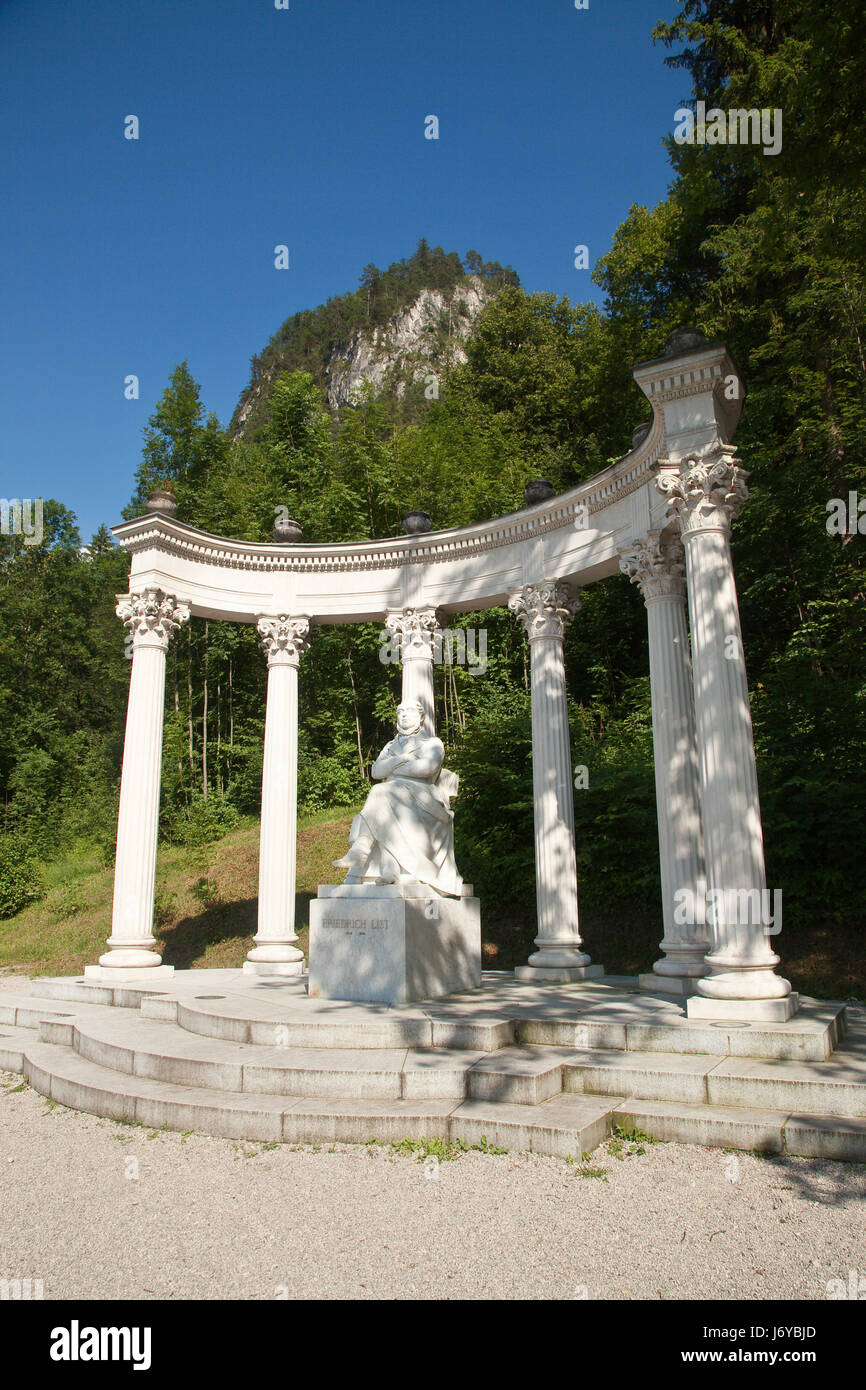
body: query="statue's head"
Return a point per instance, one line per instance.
(410, 717)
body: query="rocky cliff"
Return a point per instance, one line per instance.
(415, 345)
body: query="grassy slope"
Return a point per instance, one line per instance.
(206, 916)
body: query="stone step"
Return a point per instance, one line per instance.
(564, 1126)
(768, 1131)
(125, 1041)
(607, 1014)
(161, 1051)
(28, 1011)
(326, 1024)
(476, 1024)
(519, 1075)
(836, 1087)
(128, 1041)
(13, 1042)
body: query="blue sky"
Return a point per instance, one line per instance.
(302, 127)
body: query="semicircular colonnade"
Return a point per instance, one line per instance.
(662, 515)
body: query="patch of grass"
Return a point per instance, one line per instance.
(441, 1149)
(628, 1141)
(205, 902)
(587, 1170)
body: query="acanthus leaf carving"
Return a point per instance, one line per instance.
(284, 638)
(414, 629)
(152, 613)
(656, 565)
(545, 608)
(704, 493)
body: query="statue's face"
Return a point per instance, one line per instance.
(409, 719)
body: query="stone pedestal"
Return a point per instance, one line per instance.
(680, 986)
(749, 1010)
(392, 944)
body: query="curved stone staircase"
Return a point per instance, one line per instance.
(552, 1068)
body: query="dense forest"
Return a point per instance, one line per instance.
(766, 252)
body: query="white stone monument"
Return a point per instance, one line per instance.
(403, 926)
(662, 514)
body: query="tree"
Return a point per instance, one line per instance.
(179, 443)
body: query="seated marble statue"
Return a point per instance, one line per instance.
(405, 830)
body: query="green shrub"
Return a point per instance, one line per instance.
(206, 821)
(325, 781)
(20, 878)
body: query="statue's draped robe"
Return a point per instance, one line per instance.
(409, 821)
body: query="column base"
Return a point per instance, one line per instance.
(127, 974)
(748, 1010)
(557, 974)
(679, 985)
(288, 969)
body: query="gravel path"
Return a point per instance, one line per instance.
(214, 1219)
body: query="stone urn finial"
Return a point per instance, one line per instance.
(539, 490)
(416, 523)
(684, 339)
(162, 501)
(288, 532)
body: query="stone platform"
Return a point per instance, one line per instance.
(553, 1068)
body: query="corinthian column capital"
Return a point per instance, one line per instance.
(152, 616)
(284, 639)
(657, 567)
(413, 629)
(545, 608)
(705, 494)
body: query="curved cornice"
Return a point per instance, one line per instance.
(166, 534)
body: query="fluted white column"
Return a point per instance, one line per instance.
(544, 609)
(659, 569)
(414, 631)
(742, 984)
(275, 953)
(153, 617)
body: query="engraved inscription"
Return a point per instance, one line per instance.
(375, 923)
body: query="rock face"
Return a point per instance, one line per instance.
(416, 345)
(413, 346)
